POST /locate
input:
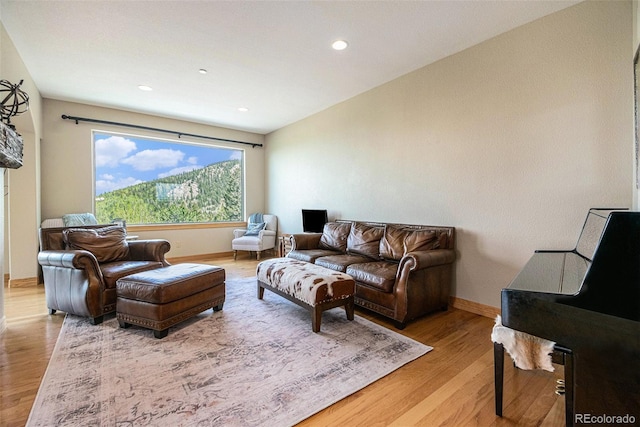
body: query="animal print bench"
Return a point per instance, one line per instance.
(313, 287)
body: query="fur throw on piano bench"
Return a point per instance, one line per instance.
(527, 351)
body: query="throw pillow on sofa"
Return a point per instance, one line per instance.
(392, 243)
(334, 236)
(398, 241)
(421, 240)
(365, 240)
(107, 244)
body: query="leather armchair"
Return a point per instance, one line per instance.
(80, 278)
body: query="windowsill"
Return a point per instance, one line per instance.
(189, 226)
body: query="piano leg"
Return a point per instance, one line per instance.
(568, 383)
(498, 365)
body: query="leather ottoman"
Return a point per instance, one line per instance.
(161, 298)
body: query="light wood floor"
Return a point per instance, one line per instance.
(451, 385)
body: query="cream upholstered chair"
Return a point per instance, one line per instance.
(256, 237)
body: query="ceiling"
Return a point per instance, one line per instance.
(272, 57)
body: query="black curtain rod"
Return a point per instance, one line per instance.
(180, 134)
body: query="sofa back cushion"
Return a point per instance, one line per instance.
(334, 236)
(398, 241)
(107, 244)
(365, 240)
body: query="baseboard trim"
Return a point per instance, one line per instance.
(22, 283)
(199, 257)
(474, 307)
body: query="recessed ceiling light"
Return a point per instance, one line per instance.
(202, 71)
(243, 109)
(339, 45)
(145, 87)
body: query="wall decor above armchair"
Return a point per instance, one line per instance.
(13, 101)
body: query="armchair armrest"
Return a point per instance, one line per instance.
(264, 233)
(73, 282)
(305, 241)
(239, 232)
(149, 250)
(77, 259)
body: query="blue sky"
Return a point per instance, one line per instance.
(124, 160)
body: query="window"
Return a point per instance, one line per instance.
(152, 181)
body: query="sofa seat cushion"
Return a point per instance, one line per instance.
(310, 255)
(112, 271)
(340, 262)
(380, 274)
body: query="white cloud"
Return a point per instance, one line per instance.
(111, 150)
(147, 160)
(105, 185)
(107, 176)
(179, 170)
(236, 155)
(192, 160)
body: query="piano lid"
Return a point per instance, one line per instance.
(602, 274)
(552, 272)
(562, 271)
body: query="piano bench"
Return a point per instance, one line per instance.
(561, 356)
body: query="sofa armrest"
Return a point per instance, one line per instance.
(239, 232)
(423, 282)
(424, 259)
(149, 250)
(305, 241)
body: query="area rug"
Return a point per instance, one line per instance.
(254, 363)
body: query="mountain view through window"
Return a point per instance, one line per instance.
(142, 180)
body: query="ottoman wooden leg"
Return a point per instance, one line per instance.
(123, 324)
(260, 291)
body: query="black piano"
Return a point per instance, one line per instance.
(586, 300)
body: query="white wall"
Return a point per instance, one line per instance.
(20, 204)
(67, 171)
(510, 141)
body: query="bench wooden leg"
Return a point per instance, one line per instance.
(260, 291)
(349, 307)
(316, 318)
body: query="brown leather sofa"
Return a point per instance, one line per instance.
(80, 266)
(402, 271)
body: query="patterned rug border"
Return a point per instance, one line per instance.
(418, 350)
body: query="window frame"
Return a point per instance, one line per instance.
(171, 144)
